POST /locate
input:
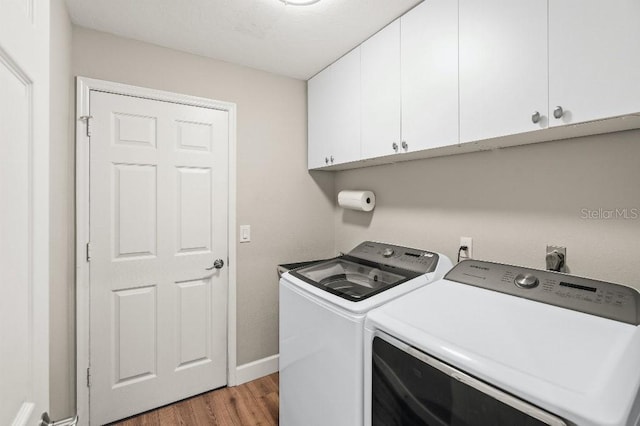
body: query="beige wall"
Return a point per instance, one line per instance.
(61, 186)
(289, 210)
(512, 202)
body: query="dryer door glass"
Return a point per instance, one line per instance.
(416, 389)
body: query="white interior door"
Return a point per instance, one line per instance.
(158, 220)
(24, 211)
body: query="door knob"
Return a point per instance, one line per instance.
(394, 146)
(405, 145)
(217, 264)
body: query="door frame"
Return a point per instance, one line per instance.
(84, 86)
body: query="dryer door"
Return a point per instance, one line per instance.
(410, 387)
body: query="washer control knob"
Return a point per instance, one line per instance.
(526, 281)
(388, 252)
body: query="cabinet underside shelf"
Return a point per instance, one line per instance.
(598, 127)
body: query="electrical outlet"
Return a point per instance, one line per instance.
(468, 253)
(245, 233)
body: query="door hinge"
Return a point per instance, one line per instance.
(87, 120)
(88, 377)
(88, 252)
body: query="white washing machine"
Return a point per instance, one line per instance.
(494, 344)
(322, 312)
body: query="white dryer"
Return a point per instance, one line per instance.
(322, 312)
(494, 344)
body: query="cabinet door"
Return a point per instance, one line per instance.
(503, 67)
(594, 59)
(334, 113)
(318, 104)
(429, 69)
(381, 92)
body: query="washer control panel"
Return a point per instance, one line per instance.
(526, 281)
(396, 256)
(607, 300)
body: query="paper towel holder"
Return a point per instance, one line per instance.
(357, 200)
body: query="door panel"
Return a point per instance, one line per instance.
(503, 67)
(429, 49)
(380, 62)
(24, 213)
(334, 113)
(194, 136)
(134, 210)
(194, 318)
(134, 326)
(194, 203)
(594, 59)
(134, 130)
(15, 256)
(158, 219)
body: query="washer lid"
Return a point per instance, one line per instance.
(353, 279)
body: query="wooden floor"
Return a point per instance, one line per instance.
(254, 403)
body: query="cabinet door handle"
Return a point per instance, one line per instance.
(535, 117)
(394, 146)
(558, 112)
(326, 160)
(405, 145)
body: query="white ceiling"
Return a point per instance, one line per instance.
(296, 41)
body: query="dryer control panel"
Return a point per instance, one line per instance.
(607, 300)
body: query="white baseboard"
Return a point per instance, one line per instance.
(256, 369)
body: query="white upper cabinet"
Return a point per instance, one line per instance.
(429, 69)
(334, 113)
(380, 62)
(503, 67)
(594, 59)
(494, 72)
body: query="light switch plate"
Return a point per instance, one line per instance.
(245, 233)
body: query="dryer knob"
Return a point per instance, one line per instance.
(526, 281)
(388, 252)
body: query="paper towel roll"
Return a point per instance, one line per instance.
(357, 200)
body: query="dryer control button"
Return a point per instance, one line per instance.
(526, 281)
(388, 252)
